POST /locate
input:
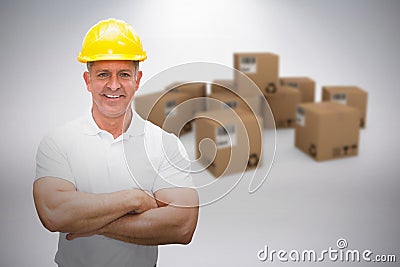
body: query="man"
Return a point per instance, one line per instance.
(114, 185)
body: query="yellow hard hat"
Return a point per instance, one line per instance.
(111, 39)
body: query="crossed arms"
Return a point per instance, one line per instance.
(170, 217)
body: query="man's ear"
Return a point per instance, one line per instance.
(86, 77)
(138, 77)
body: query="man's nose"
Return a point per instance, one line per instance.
(113, 83)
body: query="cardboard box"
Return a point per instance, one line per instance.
(161, 109)
(228, 99)
(236, 141)
(194, 90)
(305, 85)
(327, 130)
(261, 68)
(349, 95)
(283, 105)
(221, 86)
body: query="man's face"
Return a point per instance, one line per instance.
(113, 84)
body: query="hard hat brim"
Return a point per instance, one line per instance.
(86, 59)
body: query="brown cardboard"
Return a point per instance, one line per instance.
(157, 106)
(305, 85)
(226, 99)
(327, 130)
(350, 95)
(241, 152)
(194, 89)
(261, 68)
(283, 105)
(222, 85)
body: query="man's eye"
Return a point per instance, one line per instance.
(102, 75)
(125, 75)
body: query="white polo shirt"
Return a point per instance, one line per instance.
(143, 157)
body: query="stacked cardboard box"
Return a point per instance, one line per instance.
(283, 105)
(228, 99)
(161, 108)
(327, 130)
(236, 141)
(305, 85)
(194, 90)
(261, 68)
(348, 95)
(258, 77)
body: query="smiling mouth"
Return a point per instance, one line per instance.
(113, 96)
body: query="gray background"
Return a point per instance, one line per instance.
(303, 204)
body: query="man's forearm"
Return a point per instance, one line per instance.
(68, 210)
(84, 212)
(173, 222)
(164, 225)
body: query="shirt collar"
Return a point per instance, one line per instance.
(136, 127)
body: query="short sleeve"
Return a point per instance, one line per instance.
(52, 161)
(175, 167)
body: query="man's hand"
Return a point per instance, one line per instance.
(144, 201)
(174, 222)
